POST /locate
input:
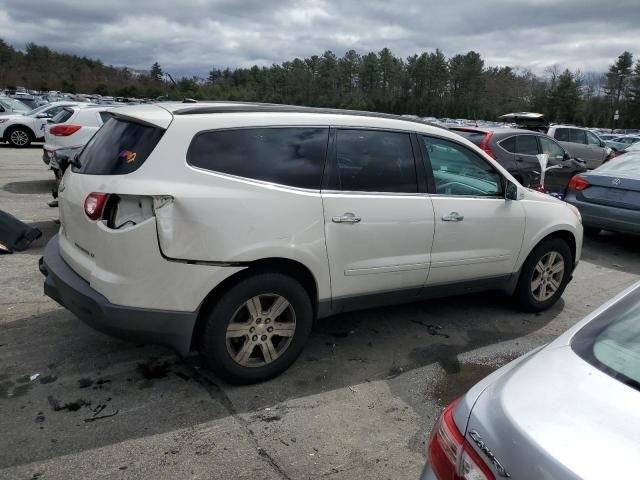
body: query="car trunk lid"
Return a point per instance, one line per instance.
(620, 192)
(549, 418)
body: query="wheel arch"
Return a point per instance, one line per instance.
(286, 266)
(15, 126)
(566, 235)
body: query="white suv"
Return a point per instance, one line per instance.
(229, 227)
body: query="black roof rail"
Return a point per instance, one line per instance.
(249, 107)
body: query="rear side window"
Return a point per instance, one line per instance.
(526, 145)
(104, 116)
(62, 116)
(374, 161)
(509, 144)
(118, 148)
(288, 156)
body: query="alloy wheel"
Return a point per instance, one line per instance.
(547, 276)
(19, 138)
(261, 330)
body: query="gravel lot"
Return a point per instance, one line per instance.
(358, 403)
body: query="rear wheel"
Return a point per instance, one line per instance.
(19, 137)
(257, 329)
(544, 275)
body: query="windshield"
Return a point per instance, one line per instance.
(38, 109)
(627, 165)
(14, 105)
(611, 342)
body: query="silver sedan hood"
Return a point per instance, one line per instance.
(554, 416)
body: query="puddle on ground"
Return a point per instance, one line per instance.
(453, 385)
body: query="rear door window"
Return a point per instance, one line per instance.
(509, 144)
(527, 145)
(118, 148)
(577, 136)
(292, 156)
(374, 161)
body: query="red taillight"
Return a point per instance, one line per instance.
(578, 183)
(451, 457)
(94, 204)
(484, 145)
(64, 130)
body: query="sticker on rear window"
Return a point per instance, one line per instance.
(127, 155)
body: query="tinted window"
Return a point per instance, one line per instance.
(526, 145)
(104, 116)
(509, 144)
(118, 148)
(551, 148)
(288, 156)
(572, 135)
(375, 161)
(459, 171)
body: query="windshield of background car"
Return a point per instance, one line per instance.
(611, 342)
(14, 105)
(118, 148)
(38, 109)
(627, 165)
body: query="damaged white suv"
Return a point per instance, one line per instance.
(228, 228)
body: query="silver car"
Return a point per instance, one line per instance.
(569, 410)
(581, 143)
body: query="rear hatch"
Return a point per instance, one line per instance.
(111, 157)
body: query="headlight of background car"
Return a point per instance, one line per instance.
(576, 211)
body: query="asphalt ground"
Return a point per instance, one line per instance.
(358, 403)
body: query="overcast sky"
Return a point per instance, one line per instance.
(191, 36)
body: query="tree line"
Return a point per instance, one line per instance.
(425, 84)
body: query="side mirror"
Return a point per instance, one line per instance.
(511, 192)
(43, 115)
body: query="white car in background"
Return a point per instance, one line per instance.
(73, 127)
(19, 130)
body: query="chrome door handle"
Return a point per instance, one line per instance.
(346, 218)
(453, 217)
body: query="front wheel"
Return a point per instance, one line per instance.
(545, 274)
(19, 137)
(257, 329)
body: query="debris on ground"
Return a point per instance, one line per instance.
(70, 406)
(34, 376)
(432, 329)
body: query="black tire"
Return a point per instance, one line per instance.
(524, 294)
(19, 137)
(213, 345)
(592, 231)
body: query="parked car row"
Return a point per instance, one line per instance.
(517, 150)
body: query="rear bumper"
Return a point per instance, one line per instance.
(62, 284)
(607, 217)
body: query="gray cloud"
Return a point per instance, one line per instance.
(191, 36)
